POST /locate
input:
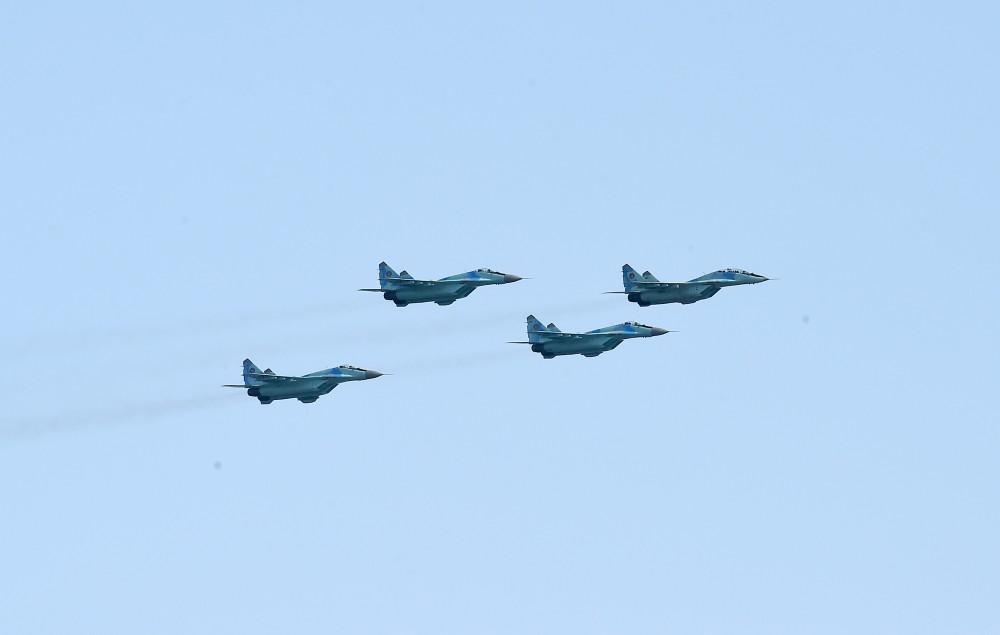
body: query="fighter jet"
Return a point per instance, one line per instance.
(403, 289)
(550, 341)
(266, 386)
(646, 289)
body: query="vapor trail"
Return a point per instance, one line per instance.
(192, 326)
(75, 421)
(408, 325)
(444, 325)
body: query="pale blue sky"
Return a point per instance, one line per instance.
(187, 184)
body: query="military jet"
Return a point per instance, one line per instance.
(266, 386)
(646, 289)
(403, 289)
(550, 341)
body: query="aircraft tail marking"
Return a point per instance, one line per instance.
(630, 276)
(385, 271)
(250, 369)
(534, 324)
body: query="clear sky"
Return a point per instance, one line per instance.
(183, 185)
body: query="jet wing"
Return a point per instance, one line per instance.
(236, 386)
(557, 335)
(268, 376)
(431, 283)
(568, 336)
(453, 281)
(410, 282)
(689, 283)
(642, 285)
(407, 282)
(403, 282)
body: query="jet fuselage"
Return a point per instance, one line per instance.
(403, 289)
(550, 342)
(644, 289)
(267, 386)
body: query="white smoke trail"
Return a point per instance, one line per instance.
(80, 420)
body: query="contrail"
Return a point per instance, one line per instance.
(75, 421)
(59, 342)
(435, 323)
(443, 325)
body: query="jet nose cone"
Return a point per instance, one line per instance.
(509, 277)
(658, 331)
(372, 374)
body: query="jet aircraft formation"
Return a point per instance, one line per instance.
(549, 341)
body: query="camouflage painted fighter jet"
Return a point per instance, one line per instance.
(403, 289)
(550, 341)
(266, 386)
(646, 289)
